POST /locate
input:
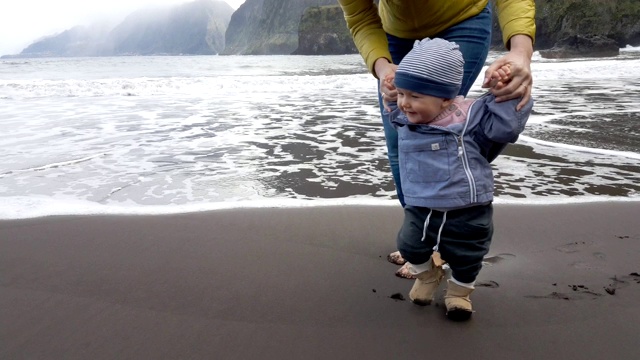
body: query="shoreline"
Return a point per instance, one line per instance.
(560, 282)
(34, 208)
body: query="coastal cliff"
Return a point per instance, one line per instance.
(323, 31)
(268, 27)
(557, 22)
(317, 27)
(561, 26)
(194, 28)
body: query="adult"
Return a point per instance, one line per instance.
(386, 32)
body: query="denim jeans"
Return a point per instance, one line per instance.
(473, 36)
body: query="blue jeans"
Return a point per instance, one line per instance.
(473, 36)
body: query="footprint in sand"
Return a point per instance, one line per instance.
(576, 292)
(490, 261)
(489, 283)
(579, 292)
(574, 246)
(496, 259)
(585, 265)
(554, 295)
(621, 282)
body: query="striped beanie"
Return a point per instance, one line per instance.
(433, 67)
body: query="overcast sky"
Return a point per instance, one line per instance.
(23, 21)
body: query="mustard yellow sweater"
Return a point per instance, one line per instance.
(417, 19)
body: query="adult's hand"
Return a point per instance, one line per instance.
(386, 72)
(521, 81)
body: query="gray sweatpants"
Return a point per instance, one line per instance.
(463, 240)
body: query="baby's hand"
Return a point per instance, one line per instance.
(388, 81)
(501, 77)
(388, 90)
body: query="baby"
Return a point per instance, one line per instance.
(446, 145)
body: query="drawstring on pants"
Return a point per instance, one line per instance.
(426, 224)
(444, 219)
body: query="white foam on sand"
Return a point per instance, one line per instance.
(22, 207)
(582, 149)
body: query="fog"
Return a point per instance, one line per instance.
(24, 21)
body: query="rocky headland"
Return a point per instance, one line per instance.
(565, 28)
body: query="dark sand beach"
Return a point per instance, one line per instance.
(561, 282)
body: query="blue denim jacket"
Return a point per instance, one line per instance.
(449, 167)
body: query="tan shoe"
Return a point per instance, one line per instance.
(427, 282)
(458, 302)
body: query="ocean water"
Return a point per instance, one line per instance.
(150, 135)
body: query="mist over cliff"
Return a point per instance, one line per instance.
(306, 27)
(194, 28)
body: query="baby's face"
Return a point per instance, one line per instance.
(420, 108)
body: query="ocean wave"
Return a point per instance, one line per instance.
(630, 48)
(50, 166)
(329, 74)
(221, 87)
(145, 137)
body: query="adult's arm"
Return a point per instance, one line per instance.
(366, 29)
(517, 21)
(516, 17)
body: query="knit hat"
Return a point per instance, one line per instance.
(433, 67)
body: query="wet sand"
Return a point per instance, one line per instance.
(561, 282)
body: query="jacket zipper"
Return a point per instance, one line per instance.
(462, 154)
